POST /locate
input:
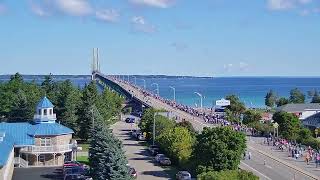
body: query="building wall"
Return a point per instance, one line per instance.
(49, 159)
(7, 170)
(55, 140)
(306, 114)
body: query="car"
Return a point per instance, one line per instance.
(132, 172)
(141, 137)
(154, 150)
(76, 177)
(135, 133)
(130, 120)
(183, 175)
(158, 157)
(165, 162)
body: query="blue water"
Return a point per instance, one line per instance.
(251, 90)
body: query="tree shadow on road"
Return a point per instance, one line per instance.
(163, 174)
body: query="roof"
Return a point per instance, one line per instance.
(44, 103)
(299, 107)
(48, 129)
(18, 131)
(6, 147)
(23, 133)
(313, 120)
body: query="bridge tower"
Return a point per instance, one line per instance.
(95, 65)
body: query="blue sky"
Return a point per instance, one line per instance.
(172, 37)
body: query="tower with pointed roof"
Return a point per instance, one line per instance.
(44, 112)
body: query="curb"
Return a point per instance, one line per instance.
(287, 164)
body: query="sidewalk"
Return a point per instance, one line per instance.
(257, 143)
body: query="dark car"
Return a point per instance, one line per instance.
(154, 150)
(183, 175)
(130, 120)
(132, 172)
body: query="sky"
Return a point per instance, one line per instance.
(170, 37)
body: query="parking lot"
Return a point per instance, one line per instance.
(48, 173)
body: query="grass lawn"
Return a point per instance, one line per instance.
(85, 147)
(83, 159)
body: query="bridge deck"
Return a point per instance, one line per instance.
(197, 122)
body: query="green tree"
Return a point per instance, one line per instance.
(236, 108)
(219, 148)
(296, 96)
(251, 116)
(289, 125)
(48, 85)
(89, 99)
(106, 157)
(316, 97)
(177, 142)
(227, 175)
(282, 101)
(271, 99)
(187, 125)
(19, 111)
(146, 122)
(162, 124)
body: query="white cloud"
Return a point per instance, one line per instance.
(153, 3)
(39, 10)
(140, 24)
(227, 67)
(108, 15)
(243, 66)
(286, 4)
(74, 7)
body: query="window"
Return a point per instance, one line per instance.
(50, 112)
(45, 141)
(41, 157)
(39, 111)
(45, 112)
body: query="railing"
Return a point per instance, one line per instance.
(38, 149)
(21, 162)
(52, 116)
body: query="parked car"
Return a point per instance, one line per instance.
(76, 177)
(135, 133)
(141, 137)
(183, 175)
(130, 120)
(158, 157)
(154, 150)
(132, 172)
(165, 162)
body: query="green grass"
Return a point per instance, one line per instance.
(83, 159)
(85, 147)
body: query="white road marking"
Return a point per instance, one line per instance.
(266, 177)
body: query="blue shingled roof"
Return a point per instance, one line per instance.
(18, 132)
(44, 103)
(6, 148)
(47, 129)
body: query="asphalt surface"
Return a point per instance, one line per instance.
(49, 173)
(138, 155)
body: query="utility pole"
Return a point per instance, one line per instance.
(154, 128)
(174, 92)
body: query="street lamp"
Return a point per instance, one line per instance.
(201, 97)
(128, 78)
(174, 92)
(144, 83)
(135, 80)
(157, 87)
(154, 127)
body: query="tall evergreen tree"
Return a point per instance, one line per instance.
(296, 96)
(270, 99)
(316, 97)
(19, 111)
(107, 159)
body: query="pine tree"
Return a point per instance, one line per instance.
(107, 159)
(316, 97)
(19, 111)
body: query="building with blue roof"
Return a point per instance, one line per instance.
(43, 142)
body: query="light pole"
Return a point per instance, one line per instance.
(135, 80)
(144, 83)
(174, 92)
(201, 97)
(157, 87)
(154, 127)
(128, 78)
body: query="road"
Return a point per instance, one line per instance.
(137, 154)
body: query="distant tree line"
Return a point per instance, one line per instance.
(73, 105)
(296, 96)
